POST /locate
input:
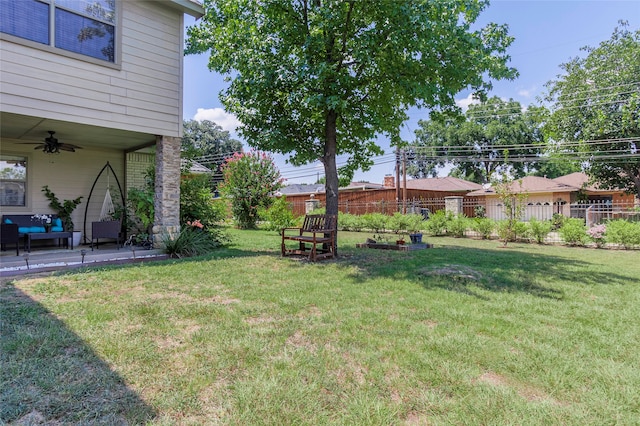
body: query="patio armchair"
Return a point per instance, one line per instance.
(9, 235)
(106, 229)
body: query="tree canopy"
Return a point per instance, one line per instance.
(206, 142)
(495, 137)
(320, 78)
(596, 110)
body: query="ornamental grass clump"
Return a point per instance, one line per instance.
(194, 239)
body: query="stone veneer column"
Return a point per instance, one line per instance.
(453, 204)
(167, 197)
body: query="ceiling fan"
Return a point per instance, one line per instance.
(51, 145)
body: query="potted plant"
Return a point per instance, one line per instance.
(64, 210)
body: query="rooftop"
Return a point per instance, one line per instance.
(530, 184)
(443, 184)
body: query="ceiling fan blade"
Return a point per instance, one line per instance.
(65, 147)
(70, 145)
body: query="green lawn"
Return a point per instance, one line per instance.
(464, 333)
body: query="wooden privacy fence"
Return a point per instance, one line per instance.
(593, 212)
(382, 201)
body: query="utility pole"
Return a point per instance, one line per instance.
(397, 178)
(404, 182)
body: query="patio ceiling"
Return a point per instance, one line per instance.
(34, 129)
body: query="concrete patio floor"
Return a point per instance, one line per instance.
(53, 259)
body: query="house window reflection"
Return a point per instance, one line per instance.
(86, 27)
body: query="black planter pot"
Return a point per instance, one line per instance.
(415, 238)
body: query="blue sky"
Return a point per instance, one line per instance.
(547, 34)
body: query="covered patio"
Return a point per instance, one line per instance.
(54, 259)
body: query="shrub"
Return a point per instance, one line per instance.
(483, 226)
(415, 223)
(539, 229)
(196, 201)
(249, 180)
(622, 232)
(279, 215)
(520, 231)
(140, 202)
(193, 241)
(512, 230)
(399, 222)
(457, 225)
(376, 222)
(597, 234)
(504, 228)
(349, 222)
(437, 223)
(557, 221)
(574, 232)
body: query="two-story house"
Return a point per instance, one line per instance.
(105, 76)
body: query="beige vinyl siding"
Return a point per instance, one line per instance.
(144, 95)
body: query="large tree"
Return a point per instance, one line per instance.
(319, 78)
(596, 109)
(495, 137)
(205, 142)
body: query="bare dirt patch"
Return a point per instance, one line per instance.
(525, 391)
(299, 340)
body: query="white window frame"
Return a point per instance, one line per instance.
(26, 181)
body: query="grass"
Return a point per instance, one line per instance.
(463, 333)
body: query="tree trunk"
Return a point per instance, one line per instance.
(330, 168)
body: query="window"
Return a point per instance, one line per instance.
(86, 27)
(26, 19)
(13, 180)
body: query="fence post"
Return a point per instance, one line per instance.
(453, 204)
(311, 204)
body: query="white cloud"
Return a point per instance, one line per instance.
(464, 103)
(527, 93)
(219, 116)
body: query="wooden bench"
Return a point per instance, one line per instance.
(316, 230)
